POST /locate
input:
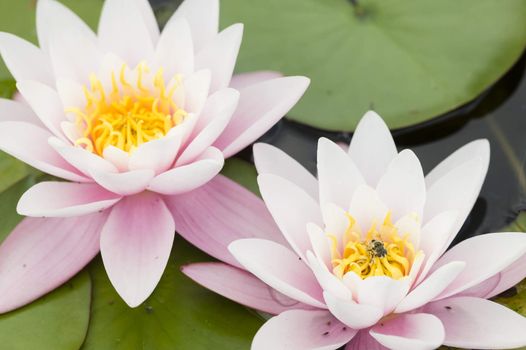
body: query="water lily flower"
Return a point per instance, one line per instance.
(132, 117)
(363, 251)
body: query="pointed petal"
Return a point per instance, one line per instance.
(337, 175)
(220, 212)
(243, 80)
(404, 178)
(203, 18)
(196, 90)
(431, 287)
(189, 177)
(279, 267)
(509, 277)
(474, 323)
(354, 315)
(24, 60)
(117, 157)
(457, 190)
(272, 160)
(14, 111)
(175, 50)
(220, 55)
(372, 147)
(474, 149)
(52, 17)
(46, 104)
(122, 30)
(485, 256)
(148, 17)
(157, 155)
(242, 287)
(41, 254)
(135, 245)
(410, 332)
(260, 107)
(292, 209)
(126, 183)
(299, 330)
(367, 207)
(29, 143)
(382, 292)
(69, 199)
(363, 341)
(214, 118)
(327, 280)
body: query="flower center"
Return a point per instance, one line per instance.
(382, 251)
(130, 114)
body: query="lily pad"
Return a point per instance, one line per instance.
(408, 60)
(180, 314)
(56, 321)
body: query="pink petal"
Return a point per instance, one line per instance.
(122, 30)
(243, 80)
(382, 292)
(472, 150)
(354, 315)
(404, 178)
(214, 118)
(175, 50)
(279, 267)
(431, 287)
(29, 143)
(434, 238)
(292, 208)
(157, 155)
(117, 157)
(135, 245)
(483, 289)
(485, 256)
(41, 254)
(52, 17)
(241, 287)
(327, 280)
(203, 18)
(475, 323)
(126, 183)
(363, 341)
(457, 190)
(13, 111)
(46, 104)
(410, 332)
(219, 55)
(337, 175)
(189, 177)
(220, 212)
(82, 159)
(68, 199)
(299, 330)
(260, 107)
(24, 60)
(509, 277)
(372, 147)
(272, 160)
(196, 91)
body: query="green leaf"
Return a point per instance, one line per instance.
(18, 17)
(179, 314)
(11, 171)
(242, 172)
(56, 321)
(7, 86)
(408, 60)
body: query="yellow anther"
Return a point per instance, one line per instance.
(381, 252)
(126, 116)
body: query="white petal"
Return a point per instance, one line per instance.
(354, 315)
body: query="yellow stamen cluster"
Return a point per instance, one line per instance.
(130, 114)
(381, 252)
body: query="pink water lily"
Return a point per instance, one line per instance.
(133, 118)
(362, 250)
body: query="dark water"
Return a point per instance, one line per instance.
(498, 115)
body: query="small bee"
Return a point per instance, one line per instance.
(376, 249)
